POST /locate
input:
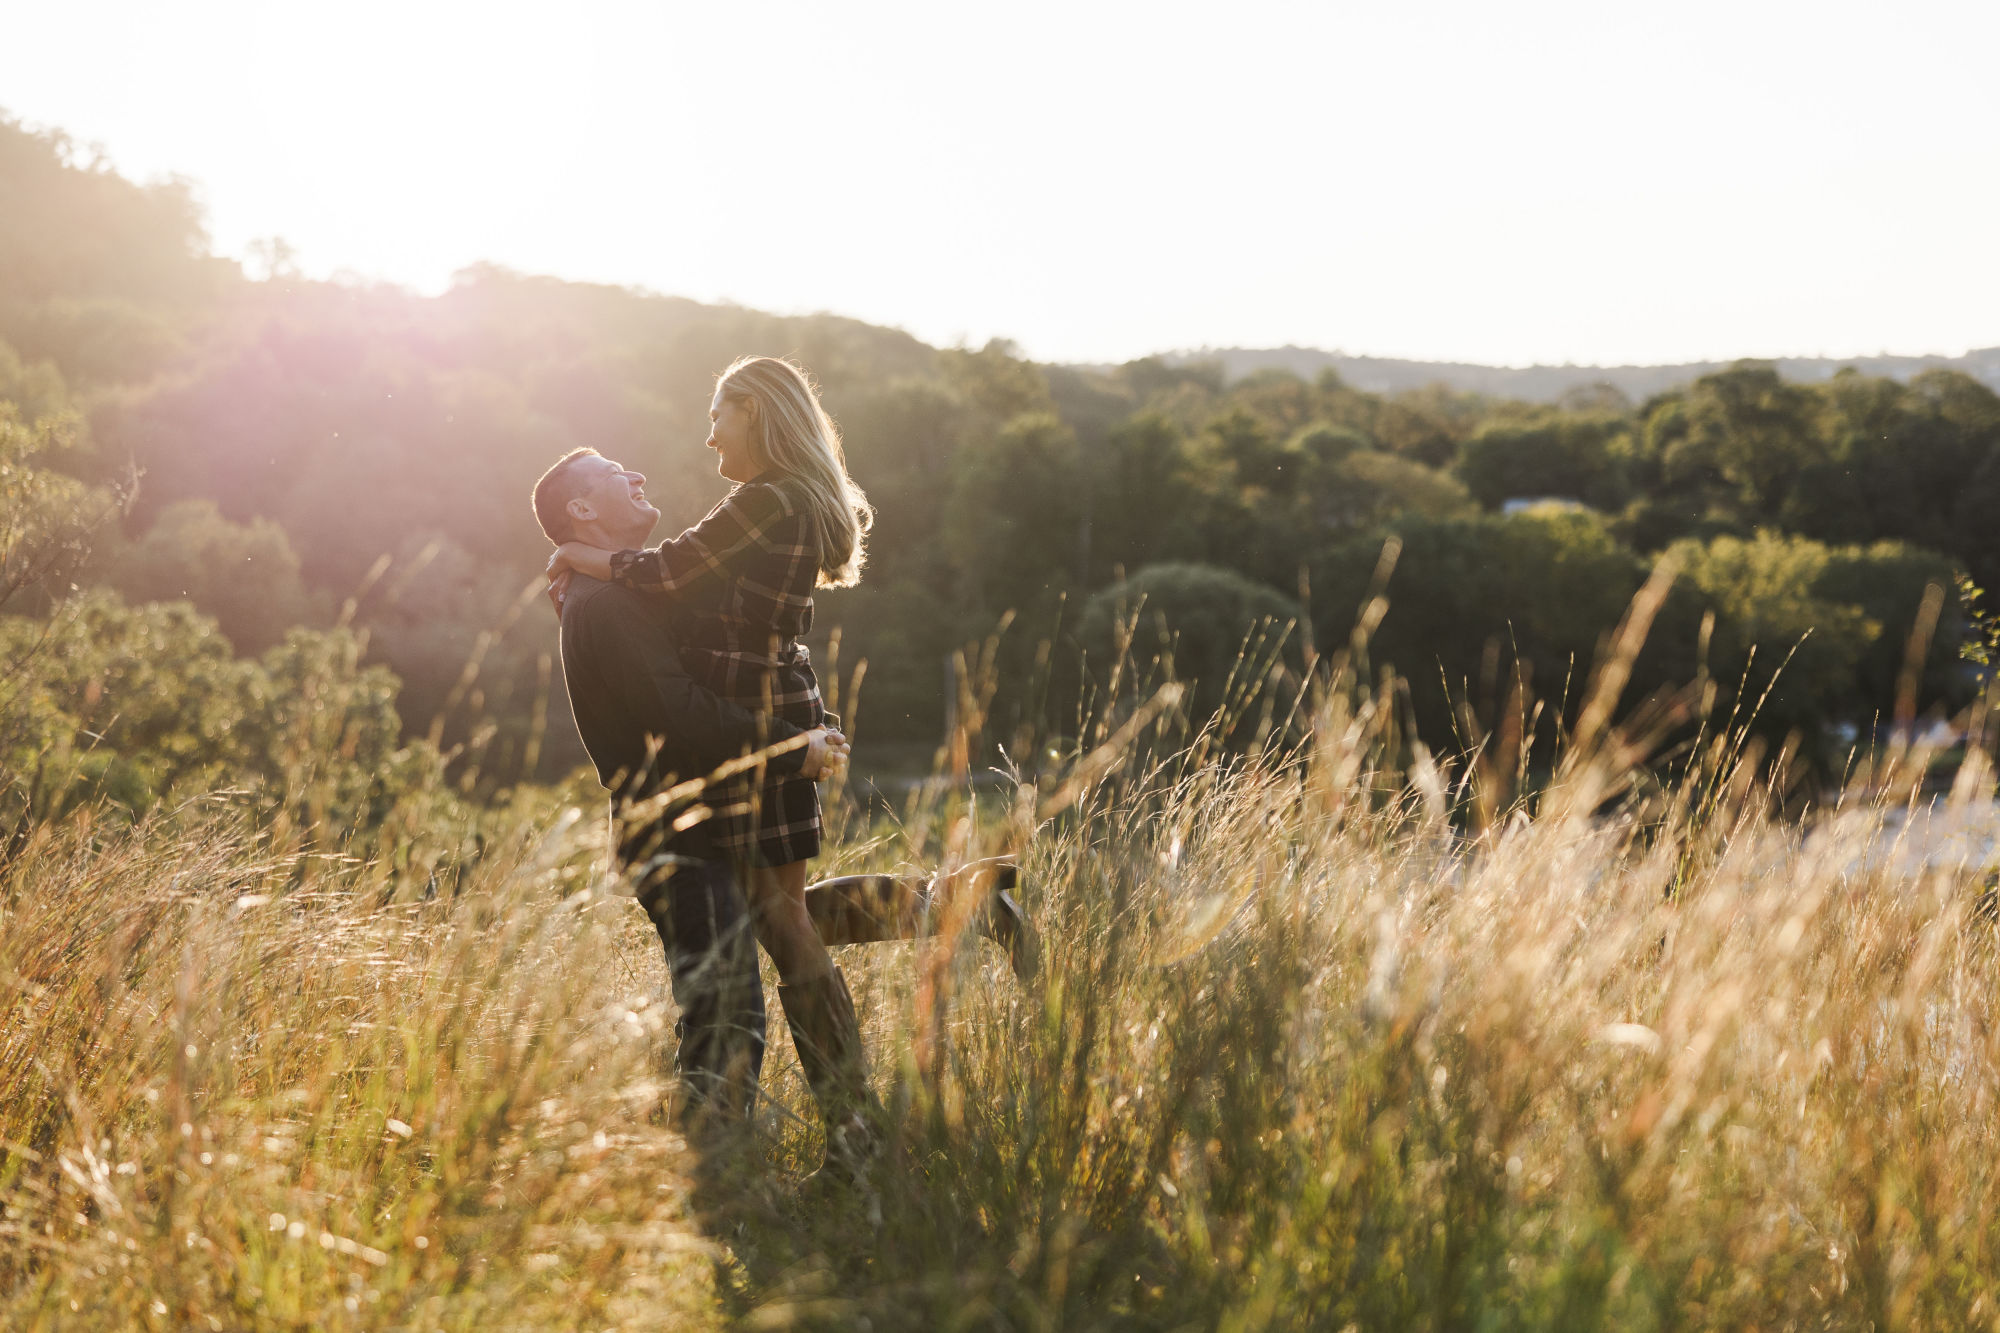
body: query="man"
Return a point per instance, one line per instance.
(645, 722)
(652, 734)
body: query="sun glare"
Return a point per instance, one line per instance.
(1551, 182)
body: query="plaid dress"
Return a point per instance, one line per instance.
(742, 580)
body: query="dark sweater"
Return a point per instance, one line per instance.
(630, 693)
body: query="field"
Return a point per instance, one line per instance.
(1345, 1037)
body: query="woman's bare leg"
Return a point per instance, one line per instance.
(778, 906)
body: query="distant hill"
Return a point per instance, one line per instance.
(1547, 384)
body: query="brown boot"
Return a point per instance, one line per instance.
(828, 1037)
(1003, 921)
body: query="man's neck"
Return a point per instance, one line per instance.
(604, 538)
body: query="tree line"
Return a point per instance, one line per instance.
(354, 460)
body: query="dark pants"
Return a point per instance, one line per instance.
(704, 924)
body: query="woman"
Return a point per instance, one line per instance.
(746, 574)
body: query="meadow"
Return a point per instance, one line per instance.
(1492, 995)
(1332, 1032)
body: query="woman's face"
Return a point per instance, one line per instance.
(729, 435)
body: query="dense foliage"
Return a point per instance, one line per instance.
(288, 437)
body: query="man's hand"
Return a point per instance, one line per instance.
(583, 559)
(826, 754)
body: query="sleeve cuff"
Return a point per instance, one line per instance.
(790, 763)
(621, 565)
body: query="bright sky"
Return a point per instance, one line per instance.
(1603, 181)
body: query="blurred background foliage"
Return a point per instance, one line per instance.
(220, 489)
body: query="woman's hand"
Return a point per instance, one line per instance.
(826, 754)
(557, 590)
(581, 558)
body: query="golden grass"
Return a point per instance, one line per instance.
(1305, 1054)
(237, 1100)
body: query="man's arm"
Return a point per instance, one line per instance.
(641, 667)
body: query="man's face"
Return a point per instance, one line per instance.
(613, 497)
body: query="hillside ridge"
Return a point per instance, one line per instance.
(1547, 384)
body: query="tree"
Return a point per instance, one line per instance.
(1427, 424)
(1578, 457)
(36, 389)
(1364, 489)
(1277, 397)
(1148, 498)
(1476, 603)
(1784, 655)
(1156, 384)
(1197, 624)
(1753, 431)
(1012, 516)
(909, 432)
(1887, 582)
(47, 519)
(1249, 453)
(245, 575)
(47, 523)
(97, 274)
(133, 704)
(1895, 464)
(997, 380)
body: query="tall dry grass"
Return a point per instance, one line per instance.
(249, 1091)
(1337, 1037)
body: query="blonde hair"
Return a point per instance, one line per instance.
(790, 433)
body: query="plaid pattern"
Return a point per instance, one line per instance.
(743, 579)
(772, 822)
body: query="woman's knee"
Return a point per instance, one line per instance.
(784, 926)
(787, 934)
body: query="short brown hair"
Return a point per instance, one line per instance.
(552, 496)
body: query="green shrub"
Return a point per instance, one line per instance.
(1206, 627)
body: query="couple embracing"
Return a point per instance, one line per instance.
(701, 714)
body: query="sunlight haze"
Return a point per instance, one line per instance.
(1548, 182)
